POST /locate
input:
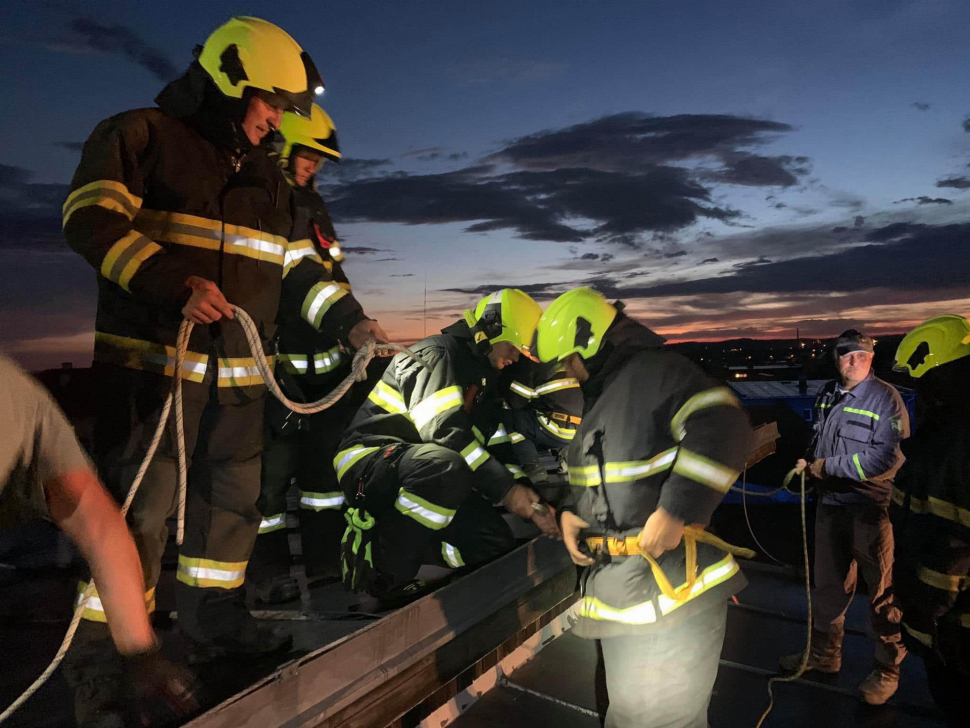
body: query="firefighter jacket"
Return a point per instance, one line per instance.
(166, 193)
(446, 401)
(656, 431)
(544, 388)
(858, 432)
(931, 513)
(314, 361)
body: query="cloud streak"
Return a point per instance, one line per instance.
(120, 39)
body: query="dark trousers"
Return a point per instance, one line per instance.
(427, 512)
(526, 423)
(223, 444)
(850, 539)
(664, 679)
(304, 454)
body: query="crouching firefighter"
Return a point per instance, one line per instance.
(419, 480)
(545, 407)
(310, 363)
(931, 510)
(658, 447)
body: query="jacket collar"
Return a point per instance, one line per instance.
(624, 339)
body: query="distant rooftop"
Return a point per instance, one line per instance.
(775, 390)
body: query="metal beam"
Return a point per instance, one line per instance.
(317, 687)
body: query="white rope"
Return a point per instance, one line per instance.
(362, 359)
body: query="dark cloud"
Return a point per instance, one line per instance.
(966, 123)
(589, 256)
(364, 250)
(72, 146)
(536, 204)
(457, 156)
(436, 151)
(761, 260)
(385, 260)
(675, 254)
(634, 141)
(839, 229)
(123, 40)
(349, 170)
(402, 275)
(757, 171)
(921, 105)
(536, 290)
(709, 260)
(901, 256)
(611, 180)
(924, 200)
(20, 198)
(859, 221)
(956, 182)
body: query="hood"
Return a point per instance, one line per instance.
(624, 339)
(194, 98)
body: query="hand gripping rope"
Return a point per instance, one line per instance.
(362, 358)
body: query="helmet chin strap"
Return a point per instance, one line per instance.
(482, 345)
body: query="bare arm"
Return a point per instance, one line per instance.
(81, 507)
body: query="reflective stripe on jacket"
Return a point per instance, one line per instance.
(153, 202)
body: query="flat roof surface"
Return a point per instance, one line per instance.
(558, 688)
(769, 390)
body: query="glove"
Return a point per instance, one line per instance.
(356, 551)
(156, 680)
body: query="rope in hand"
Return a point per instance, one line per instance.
(808, 596)
(362, 359)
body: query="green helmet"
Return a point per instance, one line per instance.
(934, 342)
(316, 133)
(576, 322)
(506, 315)
(252, 53)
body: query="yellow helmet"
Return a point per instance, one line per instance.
(506, 315)
(934, 342)
(253, 53)
(575, 322)
(315, 132)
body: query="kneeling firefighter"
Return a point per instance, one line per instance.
(659, 445)
(931, 510)
(310, 363)
(419, 480)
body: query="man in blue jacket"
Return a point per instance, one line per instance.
(859, 423)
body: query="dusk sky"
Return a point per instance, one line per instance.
(726, 169)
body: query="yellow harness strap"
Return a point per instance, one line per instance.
(630, 546)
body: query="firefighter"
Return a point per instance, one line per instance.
(853, 457)
(414, 461)
(931, 510)
(181, 211)
(309, 365)
(545, 409)
(659, 446)
(45, 473)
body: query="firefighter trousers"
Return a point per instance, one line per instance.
(426, 511)
(663, 679)
(302, 450)
(223, 443)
